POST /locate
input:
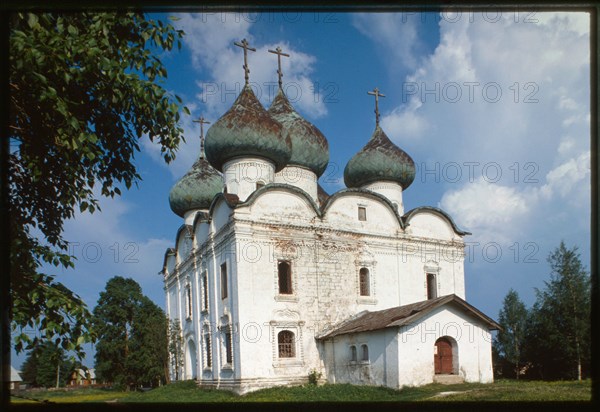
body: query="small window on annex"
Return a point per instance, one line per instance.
(353, 356)
(286, 344)
(362, 213)
(431, 286)
(365, 353)
(364, 282)
(284, 275)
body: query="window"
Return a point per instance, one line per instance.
(259, 185)
(224, 280)
(362, 213)
(208, 351)
(188, 302)
(284, 271)
(365, 353)
(365, 289)
(228, 348)
(431, 286)
(204, 291)
(353, 357)
(285, 342)
(225, 189)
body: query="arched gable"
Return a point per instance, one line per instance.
(201, 228)
(381, 214)
(279, 200)
(169, 261)
(432, 222)
(184, 241)
(220, 210)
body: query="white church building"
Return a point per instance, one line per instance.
(271, 278)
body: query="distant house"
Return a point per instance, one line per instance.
(83, 377)
(15, 378)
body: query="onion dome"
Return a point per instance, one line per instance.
(309, 147)
(380, 160)
(247, 130)
(197, 188)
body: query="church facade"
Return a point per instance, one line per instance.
(272, 279)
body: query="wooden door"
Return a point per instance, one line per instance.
(443, 357)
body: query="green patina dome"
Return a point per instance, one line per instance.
(309, 147)
(380, 160)
(247, 130)
(196, 189)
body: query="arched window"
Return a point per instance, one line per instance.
(353, 357)
(286, 344)
(431, 286)
(365, 287)
(284, 270)
(365, 353)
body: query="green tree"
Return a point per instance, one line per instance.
(132, 347)
(149, 356)
(83, 89)
(558, 332)
(175, 347)
(47, 365)
(513, 320)
(113, 322)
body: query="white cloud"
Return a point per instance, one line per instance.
(489, 210)
(105, 247)
(514, 93)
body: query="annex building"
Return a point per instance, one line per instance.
(272, 278)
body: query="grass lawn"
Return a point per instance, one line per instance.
(502, 390)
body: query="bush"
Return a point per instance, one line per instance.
(314, 376)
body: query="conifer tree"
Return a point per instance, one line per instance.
(509, 341)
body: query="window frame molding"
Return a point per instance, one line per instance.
(296, 328)
(366, 260)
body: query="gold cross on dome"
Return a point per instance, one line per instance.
(376, 93)
(279, 53)
(202, 122)
(244, 45)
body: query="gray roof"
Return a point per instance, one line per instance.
(15, 375)
(403, 315)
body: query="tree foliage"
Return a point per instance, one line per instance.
(558, 331)
(509, 341)
(132, 336)
(84, 88)
(47, 365)
(149, 356)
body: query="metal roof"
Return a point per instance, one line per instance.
(403, 315)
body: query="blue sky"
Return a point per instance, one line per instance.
(493, 108)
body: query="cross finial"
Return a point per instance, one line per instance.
(244, 45)
(279, 53)
(376, 93)
(202, 122)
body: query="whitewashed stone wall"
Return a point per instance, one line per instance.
(326, 254)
